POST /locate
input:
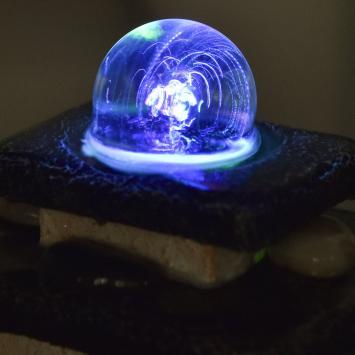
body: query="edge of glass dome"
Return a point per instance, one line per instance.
(139, 162)
(128, 34)
(170, 19)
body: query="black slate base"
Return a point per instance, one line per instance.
(296, 175)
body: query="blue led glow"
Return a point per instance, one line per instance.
(173, 95)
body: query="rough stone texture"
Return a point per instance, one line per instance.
(181, 259)
(11, 344)
(78, 296)
(296, 175)
(103, 310)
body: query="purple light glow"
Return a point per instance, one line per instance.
(173, 94)
(168, 163)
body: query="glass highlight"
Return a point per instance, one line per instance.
(173, 95)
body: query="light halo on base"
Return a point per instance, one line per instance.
(151, 163)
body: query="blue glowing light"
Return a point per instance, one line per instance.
(173, 95)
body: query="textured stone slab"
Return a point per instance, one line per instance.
(269, 311)
(82, 298)
(296, 175)
(181, 259)
(19, 344)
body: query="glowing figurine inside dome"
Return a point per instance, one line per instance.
(173, 95)
(174, 101)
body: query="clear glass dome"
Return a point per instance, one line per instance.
(173, 94)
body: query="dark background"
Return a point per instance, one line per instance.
(300, 53)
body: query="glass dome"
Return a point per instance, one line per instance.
(172, 95)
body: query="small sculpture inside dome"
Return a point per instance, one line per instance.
(174, 101)
(173, 94)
